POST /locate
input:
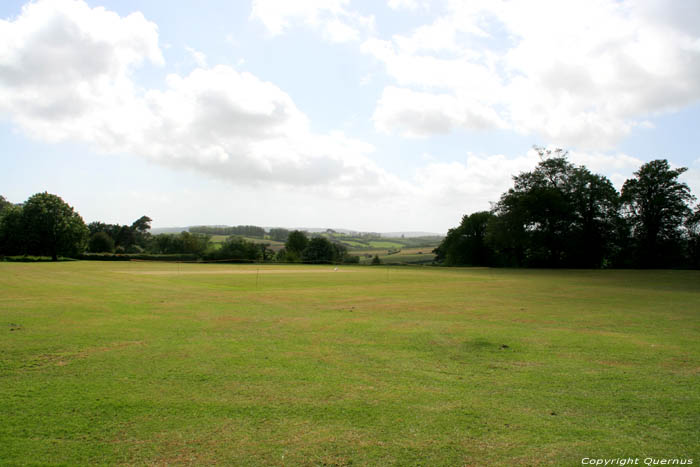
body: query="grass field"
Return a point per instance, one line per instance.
(153, 363)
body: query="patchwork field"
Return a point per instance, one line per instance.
(162, 363)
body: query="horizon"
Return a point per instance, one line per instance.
(396, 116)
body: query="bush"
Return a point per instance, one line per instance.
(101, 242)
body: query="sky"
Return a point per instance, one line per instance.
(395, 115)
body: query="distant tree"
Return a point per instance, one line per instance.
(124, 237)
(142, 224)
(184, 242)
(52, 227)
(376, 260)
(657, 206)
(287, 256)
(279, 235)
(236, 248)
(319, 250)
(296, 243)
(101, 242)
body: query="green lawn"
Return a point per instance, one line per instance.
(162, 363)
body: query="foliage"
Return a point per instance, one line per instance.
(51, 227)
(466, 244)
(237, 249)
(12, 238)
(134, 237)
(557, 215)
(657, 207)
(100, 242)
(184, 242)
(243, 230)
(376, 260)
(319, 250)
(322, 250)
(279, 235)
(4, 204)
(560, 215)
(296, 243)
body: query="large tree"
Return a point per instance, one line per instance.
(52, 227)
(657, 205)
(319, 250)
(557, 215)
(12, 238)
(466, 244)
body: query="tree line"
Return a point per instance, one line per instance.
(45, 225)
(564, 216)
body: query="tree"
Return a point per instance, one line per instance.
(12, 237)
(466, 244)
(52, 227)
(376, 261)
(239, 249)
(100, 242)
(693, 226)
(596, 222)
(321, 250)
(4, 204)
(557, 215)
(296, 243)
(279, 234)
(656, 205)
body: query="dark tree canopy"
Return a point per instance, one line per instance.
(657, 207)
(319, 250)
(297, 242)
(100, 242)
(562, 215)
(52, 227)
(238, 249)
(556, 215)
(322, 250)
(466, 245)
(12, 238)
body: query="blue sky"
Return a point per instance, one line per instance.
(381, 116)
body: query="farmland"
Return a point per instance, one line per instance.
(162, 363)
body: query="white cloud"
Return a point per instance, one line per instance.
(62, 63)
(580, 73)
(199, 57)
(217, 120)
(418, 114)
(330, 17)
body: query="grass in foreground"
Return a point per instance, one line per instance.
(151, 363)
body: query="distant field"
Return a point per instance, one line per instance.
(420, 255)
(383, 244)
(353, 244)
(274, 245)
(166, 363)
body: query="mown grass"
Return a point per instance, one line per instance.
(152, 363)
